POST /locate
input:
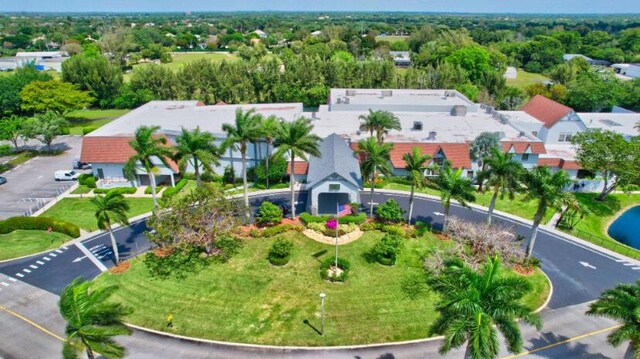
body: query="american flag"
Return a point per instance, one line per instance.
(344, 210)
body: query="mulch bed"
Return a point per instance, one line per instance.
(162, 252)
(120, 268)
(524, 270)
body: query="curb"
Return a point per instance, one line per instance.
(546, 302)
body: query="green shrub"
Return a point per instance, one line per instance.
(386, 250)
(279, 186)
(82, 179)
(269, 214)
(39, 223)
(120, 190)
(207, 176)
(172, 191)
(342, 228)
(393, 229)
(306, 218)
(370, 226)
(280, 251)
(281, 228)
(254, 233)
(277, 170)
(422, 228)
(229, 175)
(149, 189)
(90, 182)
(390, 212)
(353, 219)
(5, 150)
(342, 264)
(359, 218)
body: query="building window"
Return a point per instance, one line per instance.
(535, 133)
(525, 156)
(561, 138)
(565, 137)
(470, 175)
(417, 126)
(334, 187)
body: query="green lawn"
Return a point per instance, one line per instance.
(593, 227)
(82, 189)
(80, 211)
(91, 119)
(180, 59)
(248, 300)
(24, 242)
(392, 38)
(525, 79)
(518, 207)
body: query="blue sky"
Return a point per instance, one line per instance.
(485, 6)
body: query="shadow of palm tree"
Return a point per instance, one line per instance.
(574, 349)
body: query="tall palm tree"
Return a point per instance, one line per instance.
(502, 175)
(415, 164)
(148, 147)
(548, 189)
(296, 140)
(270, 128)
(573, 211)
(453, 185)
(92, 320)
(245, 130)
(380, 122)
(476, 305)
(197, 149)
(375, 160)
(482, 148)
(621, 303)
(110, 209)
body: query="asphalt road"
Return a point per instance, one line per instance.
(562, 336)
(32, 182)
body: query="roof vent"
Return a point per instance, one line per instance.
(350, 93)
(459, 110)
(521, 134)
(432, 135)
(387, 93)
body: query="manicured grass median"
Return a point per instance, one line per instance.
(249, 300)
(24, 242)
(81, 212)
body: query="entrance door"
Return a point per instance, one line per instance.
(327, 202)
(100, 173)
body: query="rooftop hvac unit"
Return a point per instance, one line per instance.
(432, 135)
(345, 100)
(350, 92)
(387, 93)
(521, 134)
(339, 100)
(459, 110)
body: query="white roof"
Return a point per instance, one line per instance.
(448, 128)
(622, 123)
(41, 54)
(566, 152)
(399, 100)
(568, 57)
(172, 116)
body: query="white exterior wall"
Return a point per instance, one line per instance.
(572, 126)
(323, 187)
(532, 162)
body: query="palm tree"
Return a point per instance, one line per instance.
(621, 303)
(296, 140)
(197, 149)
(482, 148)
(415, 164)
(380, 122)
(573, 211)
(375, 160)
(110, 209)
(453, 185)
(245, 130)
(92, 320)
(148, 147)
(502, 175)
(270, 128)
(548, 189)
(476, 305)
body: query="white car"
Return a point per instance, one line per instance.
(66, 175)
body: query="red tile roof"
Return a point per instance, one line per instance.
(571, 165)
(300, 167)
(546, 110)
(110, 150)
(560, 163)
(456, 153)
(520, 147)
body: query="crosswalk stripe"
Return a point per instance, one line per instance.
(26, 270)
(628, 264)
(5, 284)
(13, 279)
(58, 251)
(40, 262)
(46, 258)
(52, 254)
(34, 267)
(20, 275)
(636, 268)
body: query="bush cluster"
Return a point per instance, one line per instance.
(269, 214)
(120, 190)
(280, 251)
(39, 223)
(172, 191)
(342, 264)
(87, 179)
(148, 189)
(386, 250)
(359, 218)
(275, 230)
(342, 228)
(390, 212)
(5, 150)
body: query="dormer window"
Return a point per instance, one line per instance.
(417, 126)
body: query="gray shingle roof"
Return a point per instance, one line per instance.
(336, 158)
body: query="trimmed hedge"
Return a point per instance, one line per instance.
(342, 264)
(148, 189)
(120, 190)
(39, 223)
(281, 228)
(172, 191)
(359, 218)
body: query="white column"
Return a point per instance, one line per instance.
(173, 183)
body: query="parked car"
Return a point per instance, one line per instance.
(78, 165)
(66, 175)
(3, 180)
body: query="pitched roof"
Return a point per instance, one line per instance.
(456, 153)
(336, 158)
(520, 147)
(110, 150)
(300, 167)
(560, 163)
(546, 110)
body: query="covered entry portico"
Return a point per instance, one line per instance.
(334, 178)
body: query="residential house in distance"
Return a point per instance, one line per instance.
(627, 71)
(260, 33)
(42, 60)
(590, 61)
(401, 59)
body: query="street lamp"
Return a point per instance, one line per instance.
(322, 296)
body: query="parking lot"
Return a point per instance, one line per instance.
(32, 184)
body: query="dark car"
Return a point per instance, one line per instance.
(3, 180)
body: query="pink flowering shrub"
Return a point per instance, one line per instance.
(332, 223)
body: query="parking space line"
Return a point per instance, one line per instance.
(46, 258)
(52, 254)
(13, 279)
(40, 262)
(34, 267)
(26, 270)
(20, 275)
(58, 251)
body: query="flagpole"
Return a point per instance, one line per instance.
(337, 225)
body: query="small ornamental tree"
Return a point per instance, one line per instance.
(390, 212)
(280, 251)
(269, 214)
(386, 250)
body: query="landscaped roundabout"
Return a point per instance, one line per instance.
(247, 299)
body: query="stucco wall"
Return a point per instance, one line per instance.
(345, 187)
